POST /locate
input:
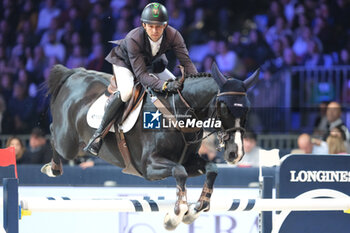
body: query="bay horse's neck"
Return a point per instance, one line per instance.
(199, 93)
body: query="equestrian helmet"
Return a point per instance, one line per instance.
(154, 13)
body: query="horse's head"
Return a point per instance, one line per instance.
(232, 106)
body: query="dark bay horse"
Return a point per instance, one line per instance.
(156, 154)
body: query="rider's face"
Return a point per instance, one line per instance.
(154, 31)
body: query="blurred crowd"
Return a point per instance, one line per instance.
(239, 36)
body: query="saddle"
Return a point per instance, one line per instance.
(137, 95)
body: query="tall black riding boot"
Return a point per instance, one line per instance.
(113, 110)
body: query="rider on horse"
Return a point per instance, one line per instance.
(141, 55)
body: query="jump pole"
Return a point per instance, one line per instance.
(219, 205)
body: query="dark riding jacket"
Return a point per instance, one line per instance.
(134, 52)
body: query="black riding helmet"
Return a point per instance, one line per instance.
(154, 13)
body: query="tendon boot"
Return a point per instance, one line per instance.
(113, 110)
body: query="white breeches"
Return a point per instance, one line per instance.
(125, 80)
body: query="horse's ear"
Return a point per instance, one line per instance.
(217, 75)
(249, 82)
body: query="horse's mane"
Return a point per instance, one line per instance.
(58, 75)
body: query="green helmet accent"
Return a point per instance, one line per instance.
(154, 13)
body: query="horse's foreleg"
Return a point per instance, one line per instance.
(54, 168)
(160, 168)
(203, 203)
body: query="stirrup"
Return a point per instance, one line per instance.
(94, 146)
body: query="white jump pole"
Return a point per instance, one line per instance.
(219, 205)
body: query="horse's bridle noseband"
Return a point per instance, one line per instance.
(224, 134)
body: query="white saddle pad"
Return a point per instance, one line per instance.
(96, 111)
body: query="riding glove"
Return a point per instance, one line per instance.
(172, 86)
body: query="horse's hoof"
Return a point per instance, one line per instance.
(171, 220)
(47, 169)
(191, 215)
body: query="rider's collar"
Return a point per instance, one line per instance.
(155, 46)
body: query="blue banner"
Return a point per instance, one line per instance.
(314, 176)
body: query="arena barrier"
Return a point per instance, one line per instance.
(312, 176)
(65, 204)
(305, 183)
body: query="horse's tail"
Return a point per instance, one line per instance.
(58, 75)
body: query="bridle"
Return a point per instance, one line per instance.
(222, 134)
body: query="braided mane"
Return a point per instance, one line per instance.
(198, 75)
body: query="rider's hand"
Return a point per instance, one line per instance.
(172, 86)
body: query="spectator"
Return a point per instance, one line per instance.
(251, 150)
(344, 57)
(278, 30)
(22, 156)
(257, 51)
(254, 155)
(121, 30)
(29, 18)
(301, 42)
(53, 48)
(76, 59)
(176, 15)
(322, 30)
(274, 12)
(6, 86)
(36, 64)
(289, 10)
(289, 58)
(54, 26)
(40, 149)
(194, 32)
(46, 14)
(72, 14)
(335, 142)
(235, 42)
(334, 121)
(265, 96)
(207, 63)
(320, 126)
(227, 60)
(19, 49)
(21, 109)
(308, 145)
(97, 59)
(67, 35)
(313, 57)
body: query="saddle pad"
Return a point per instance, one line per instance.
(96, 111)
